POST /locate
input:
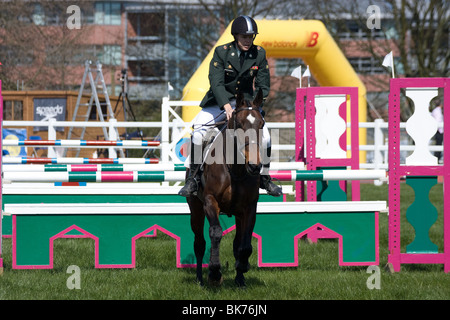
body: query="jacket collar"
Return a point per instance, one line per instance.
(249, 59)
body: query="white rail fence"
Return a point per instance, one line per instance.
(173, 128)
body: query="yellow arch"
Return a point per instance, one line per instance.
(305, 39)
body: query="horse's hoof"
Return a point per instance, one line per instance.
(215, 283)
(199, 282)
(240, 282)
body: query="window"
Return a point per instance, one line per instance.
(147, 70)
(147, 25)
(38, 15)
(373, 66)
(111, 55)
(103, 107)
(106, 55)
(367, 65)
(12, 110)
(284, 67)
(107, 13)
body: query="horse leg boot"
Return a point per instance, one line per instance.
(199, 249)
(191, 184)
(215, 276)
(242, 265)
(265, 179)
(242, 251)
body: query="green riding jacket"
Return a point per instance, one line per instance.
(227, 77)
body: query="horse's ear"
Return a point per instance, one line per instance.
(259, 98)
(239, 99)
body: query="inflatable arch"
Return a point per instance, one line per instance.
(305, 39)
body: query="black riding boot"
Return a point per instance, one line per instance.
(271, 188)
(193, 177)
(265, 180)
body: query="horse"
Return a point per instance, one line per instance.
(230, 187)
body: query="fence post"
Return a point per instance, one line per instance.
(51, 152)
(378, 141)
(112, 137)
(165, 130)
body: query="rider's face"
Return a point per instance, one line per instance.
(244, 41)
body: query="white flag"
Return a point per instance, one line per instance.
(389, 62)
(307, 73)
(169, 87)
(297, 72)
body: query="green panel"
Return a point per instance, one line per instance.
(421, 214)
(278, 232)
(115, 233)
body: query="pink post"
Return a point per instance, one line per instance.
(299, 142)
(397, 170)
(1, 148)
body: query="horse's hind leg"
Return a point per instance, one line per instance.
(197, 225)
(215, 233)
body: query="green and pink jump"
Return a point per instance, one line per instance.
(160, 176)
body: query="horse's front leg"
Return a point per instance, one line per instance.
(242, 245)
(197, 225)
(215, 233)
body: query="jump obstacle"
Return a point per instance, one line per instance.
(28, 254)
(115, 228)
(161, 176)
(296, 216)
(65, 160)
(80, 143)
(421, 170)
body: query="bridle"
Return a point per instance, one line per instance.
(240, 147)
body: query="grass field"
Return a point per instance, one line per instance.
(156, 277)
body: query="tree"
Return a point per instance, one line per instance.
(36, 45)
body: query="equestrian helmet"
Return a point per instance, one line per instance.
(244, 25)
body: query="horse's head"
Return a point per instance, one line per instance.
(247, 123)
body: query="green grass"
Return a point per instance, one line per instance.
(156, 277)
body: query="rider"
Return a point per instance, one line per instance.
(235, 67)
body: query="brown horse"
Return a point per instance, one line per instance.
(230, 187)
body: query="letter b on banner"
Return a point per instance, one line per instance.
(312, 39)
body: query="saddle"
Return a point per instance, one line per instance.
(208, 141)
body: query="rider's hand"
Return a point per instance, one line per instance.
(228, 110)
